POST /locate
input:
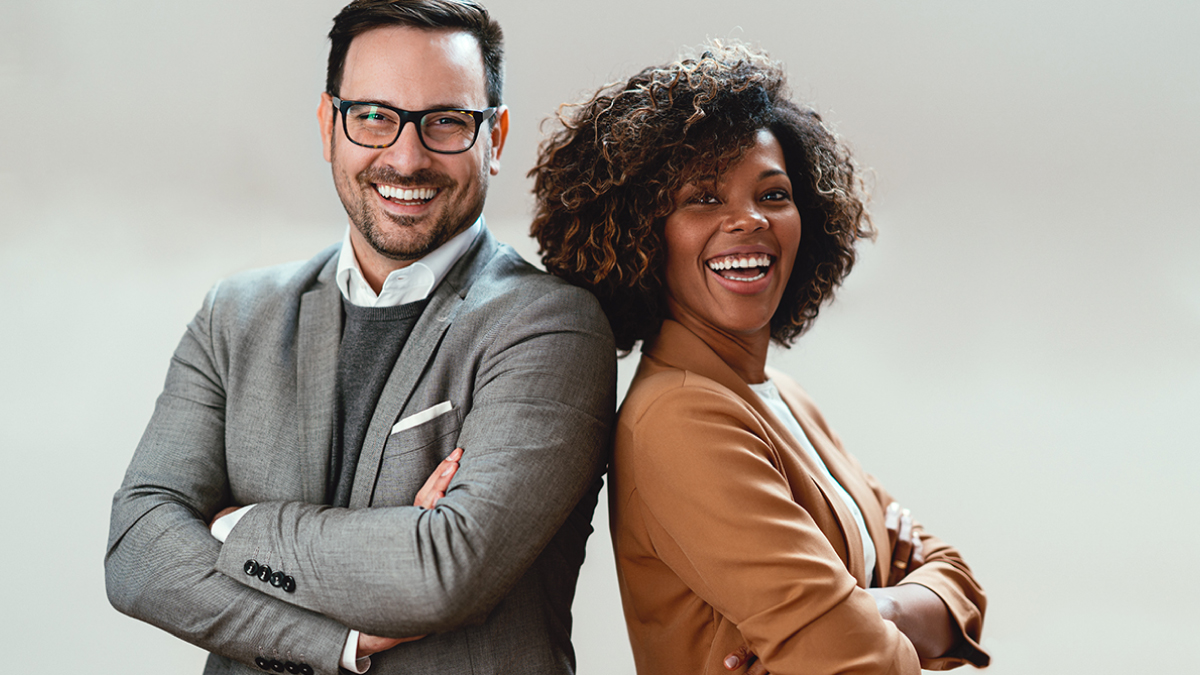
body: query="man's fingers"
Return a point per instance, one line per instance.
(435, 486)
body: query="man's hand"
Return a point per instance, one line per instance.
(427, 497)
(743, 655)
(223, 512)
(372, 644)
(435, 487)
(907, 551)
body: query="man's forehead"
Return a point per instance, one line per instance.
(451, 57)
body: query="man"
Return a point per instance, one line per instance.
(306, 404)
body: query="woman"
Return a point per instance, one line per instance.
(711, 215)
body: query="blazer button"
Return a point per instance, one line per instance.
(277, 579)
(264, 573)
(289, 584)
(263, 663)
(277, 665)
(251, 568)
(306, 669)
(291, 667)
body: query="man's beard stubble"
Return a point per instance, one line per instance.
(447, 221)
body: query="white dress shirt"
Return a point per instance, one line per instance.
(408, 284)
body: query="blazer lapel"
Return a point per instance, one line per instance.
(420, 348)
(680, 348)
(851, 479)
(320, 335)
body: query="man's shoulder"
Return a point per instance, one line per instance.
(290, 278)
(510, 283)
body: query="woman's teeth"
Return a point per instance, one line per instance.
(731, 267)
(406, 194)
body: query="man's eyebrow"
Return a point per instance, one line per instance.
(436, 106)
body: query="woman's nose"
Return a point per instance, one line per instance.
(746, 219)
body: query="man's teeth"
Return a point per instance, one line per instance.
(406, 194)
(739, 262)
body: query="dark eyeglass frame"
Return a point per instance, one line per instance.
(414, 116)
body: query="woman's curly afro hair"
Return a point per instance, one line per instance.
(605, 182)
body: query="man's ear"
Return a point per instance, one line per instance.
(325, 120)
(499, 133)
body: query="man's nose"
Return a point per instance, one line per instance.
(407, 154)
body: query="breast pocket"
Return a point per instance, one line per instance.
(409, 456)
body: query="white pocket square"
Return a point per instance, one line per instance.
(422, 417)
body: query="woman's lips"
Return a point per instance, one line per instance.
(741, 267)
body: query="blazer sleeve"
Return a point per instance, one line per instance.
(944, 572)
(159, 566)
(535, 437)
(722, 516)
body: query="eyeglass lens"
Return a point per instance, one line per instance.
(446, 130)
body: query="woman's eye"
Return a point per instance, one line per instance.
(777, 196)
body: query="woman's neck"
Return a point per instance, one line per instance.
(746, 354)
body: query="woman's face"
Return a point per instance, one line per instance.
(731, 243)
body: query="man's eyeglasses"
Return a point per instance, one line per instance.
(445, 130)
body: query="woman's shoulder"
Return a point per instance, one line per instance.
(659, 389)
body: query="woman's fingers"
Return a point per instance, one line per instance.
(743, 657)
(435, 486)
(903, 548)
(891, 520)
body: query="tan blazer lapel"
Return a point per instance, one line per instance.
(320, 335)
(850, 478)
(421, 346)
(678, 347)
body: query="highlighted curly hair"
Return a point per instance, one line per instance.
(605, 182)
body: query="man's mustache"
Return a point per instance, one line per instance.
(421, 178)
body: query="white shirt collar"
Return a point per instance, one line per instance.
(407, 284)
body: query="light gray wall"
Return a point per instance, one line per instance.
(1016, 357)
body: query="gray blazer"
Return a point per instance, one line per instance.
(246, 417)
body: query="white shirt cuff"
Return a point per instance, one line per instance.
(350, 651)
(222, 526)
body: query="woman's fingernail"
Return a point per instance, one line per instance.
(731, 662)
(447, 471)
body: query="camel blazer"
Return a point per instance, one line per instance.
(726, 533)
(247, 417)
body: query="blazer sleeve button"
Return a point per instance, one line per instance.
(277, 665)
(291, 668)
(277, 579)
(289, 584)
(263, 663)
(251, 568)
(264, 573)
(306, 669)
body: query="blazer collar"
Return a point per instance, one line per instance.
(678, 347)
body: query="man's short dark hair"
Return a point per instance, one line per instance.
(361, 16)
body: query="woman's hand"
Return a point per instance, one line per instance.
(907, 551)
(743, 655)
(427, 497)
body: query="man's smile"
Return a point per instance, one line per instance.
(406, 196)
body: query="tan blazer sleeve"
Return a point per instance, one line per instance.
(721, 514)
(944, 572)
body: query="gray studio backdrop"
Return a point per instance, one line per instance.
(1016, 357)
